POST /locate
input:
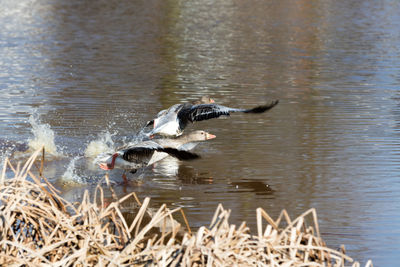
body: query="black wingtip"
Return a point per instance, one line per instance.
(261, 109)
(149, 123)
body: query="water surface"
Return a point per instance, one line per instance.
(98, 70)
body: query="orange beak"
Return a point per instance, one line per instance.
(109, 166)
(105, 166)
(210, 136)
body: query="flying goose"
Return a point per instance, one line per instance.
(171, 122)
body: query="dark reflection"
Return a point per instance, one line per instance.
(190, 175)
(255, 186)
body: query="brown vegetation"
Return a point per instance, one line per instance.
(40, 228)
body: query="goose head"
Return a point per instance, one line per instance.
(198, 136)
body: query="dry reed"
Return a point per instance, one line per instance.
(40, 228)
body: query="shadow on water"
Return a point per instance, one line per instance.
(254, 186)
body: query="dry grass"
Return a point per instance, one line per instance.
(40, 228)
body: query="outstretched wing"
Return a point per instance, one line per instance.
(210, 111)
(261, 109)
(162, 113)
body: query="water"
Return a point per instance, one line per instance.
(92, 73)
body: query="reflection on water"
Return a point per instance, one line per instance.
(96, 71)
(255, 186)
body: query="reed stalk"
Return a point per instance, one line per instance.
(38, 227)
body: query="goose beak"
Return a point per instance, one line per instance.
(210, 136)
(105, 166)
(212, 100)
(109, 166)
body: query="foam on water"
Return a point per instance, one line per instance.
(5, 152)
(43, 136)
(70, 175)
(103, 144)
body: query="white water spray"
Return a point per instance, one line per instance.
(70, 175)
(102, 144)
(43, 136)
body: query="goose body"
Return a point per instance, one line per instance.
(140, 155)
(184, 142)
(165, 121)
(173, 121)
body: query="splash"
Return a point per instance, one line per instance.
(70, 175)
(102, 144)
(43, 136)
(3, 156)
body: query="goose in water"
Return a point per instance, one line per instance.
(136, 156)
(172, 121)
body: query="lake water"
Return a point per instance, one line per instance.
(79, 74)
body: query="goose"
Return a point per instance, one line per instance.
(171, 122)
(139, 155)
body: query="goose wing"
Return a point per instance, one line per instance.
(209, 111)
(159, 115)
(179, 154)
(144, 151)
(137, 154)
